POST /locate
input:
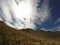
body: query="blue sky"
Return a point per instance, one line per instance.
(54, 22)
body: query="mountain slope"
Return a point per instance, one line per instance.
(11, 36)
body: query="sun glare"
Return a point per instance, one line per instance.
(23, 10)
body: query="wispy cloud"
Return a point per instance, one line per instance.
(58, 20)
(57, 28)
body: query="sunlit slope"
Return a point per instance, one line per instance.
(10, 36)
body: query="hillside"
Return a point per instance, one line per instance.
(11, 36)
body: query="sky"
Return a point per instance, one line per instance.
(34, 14)
(54, 23)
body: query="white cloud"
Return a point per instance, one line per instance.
(13, 14)
(57, 20)
(57, 28)
(44, 11)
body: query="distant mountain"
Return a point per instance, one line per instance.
(11, 36)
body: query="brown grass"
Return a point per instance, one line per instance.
(11, 36)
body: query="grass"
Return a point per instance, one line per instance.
(11, 36)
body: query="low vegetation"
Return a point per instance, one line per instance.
(11, 36)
